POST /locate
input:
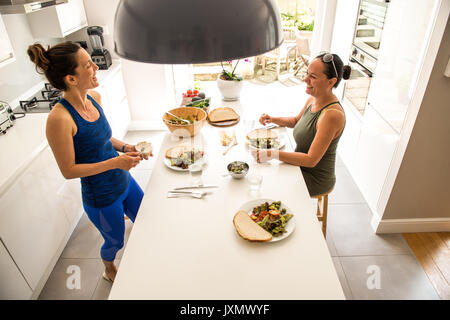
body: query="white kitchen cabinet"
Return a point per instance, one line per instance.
(12, 284)
(58, 21)
(350, 136)
(374, 153)
(33, 221)
(6, 49)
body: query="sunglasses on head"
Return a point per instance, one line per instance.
(328, 57)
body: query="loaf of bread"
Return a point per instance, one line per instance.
(248, 229)
(223, 114)
(262, 133)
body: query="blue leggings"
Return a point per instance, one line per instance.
(110, 221)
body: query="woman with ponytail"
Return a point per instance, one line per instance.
(317, 128)
(82, 143)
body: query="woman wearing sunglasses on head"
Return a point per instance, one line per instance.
(318, 126)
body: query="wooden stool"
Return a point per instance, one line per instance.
(322, 210)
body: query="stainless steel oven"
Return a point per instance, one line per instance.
(364, 51)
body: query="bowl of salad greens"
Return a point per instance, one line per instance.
(237, 169)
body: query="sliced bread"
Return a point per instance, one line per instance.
(175, 152)
(262, 133)
(248, 229)
(223, 114)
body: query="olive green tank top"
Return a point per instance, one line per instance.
(321, 178)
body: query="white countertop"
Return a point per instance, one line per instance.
(187, 248)
(26, 138)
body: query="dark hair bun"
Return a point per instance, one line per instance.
(36, 52)
(346, 72)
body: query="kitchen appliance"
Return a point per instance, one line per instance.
(42, 101)
(7, 117)
(100, 55)
(364, 51)
(26, 6)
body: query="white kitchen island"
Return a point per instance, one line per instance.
(185, 248)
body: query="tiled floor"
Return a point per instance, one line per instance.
(369, 266)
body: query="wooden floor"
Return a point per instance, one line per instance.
(432, 250)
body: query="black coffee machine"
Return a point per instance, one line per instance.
(100, 56)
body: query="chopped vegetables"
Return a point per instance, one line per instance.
(190, 118)
(271, 217)
(237, 167)
(265, 143)
(186, 158)
(200, 103)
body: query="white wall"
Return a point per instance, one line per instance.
(19, 76)
(323, 26)
(99, 13)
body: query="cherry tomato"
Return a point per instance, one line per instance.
(189, 91)
(195, 92)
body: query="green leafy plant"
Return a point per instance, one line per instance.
(306, 25)
(227, 75)
(303, 21)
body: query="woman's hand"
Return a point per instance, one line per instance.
(132, 148)
(128, 160)
(265, 119)
(261, 155)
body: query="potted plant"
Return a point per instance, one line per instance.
(230, 83)
(305, 26)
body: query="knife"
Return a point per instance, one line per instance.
(198, 187)
(187, 192)
(269, 126)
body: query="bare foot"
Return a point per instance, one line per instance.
(110, 270)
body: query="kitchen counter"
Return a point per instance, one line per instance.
(184, 248)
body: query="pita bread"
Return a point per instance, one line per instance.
(144, 147)
(262, 133)
(223, 114)
(175, 152)
(249, 229)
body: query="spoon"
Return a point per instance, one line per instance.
(177, 117)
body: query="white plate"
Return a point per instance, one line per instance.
(290, 225)
(168, 164)
(282, 144)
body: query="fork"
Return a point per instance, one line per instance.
(176, 194)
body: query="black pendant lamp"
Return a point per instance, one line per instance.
(195, 31)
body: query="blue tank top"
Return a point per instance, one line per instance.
(92, 144)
